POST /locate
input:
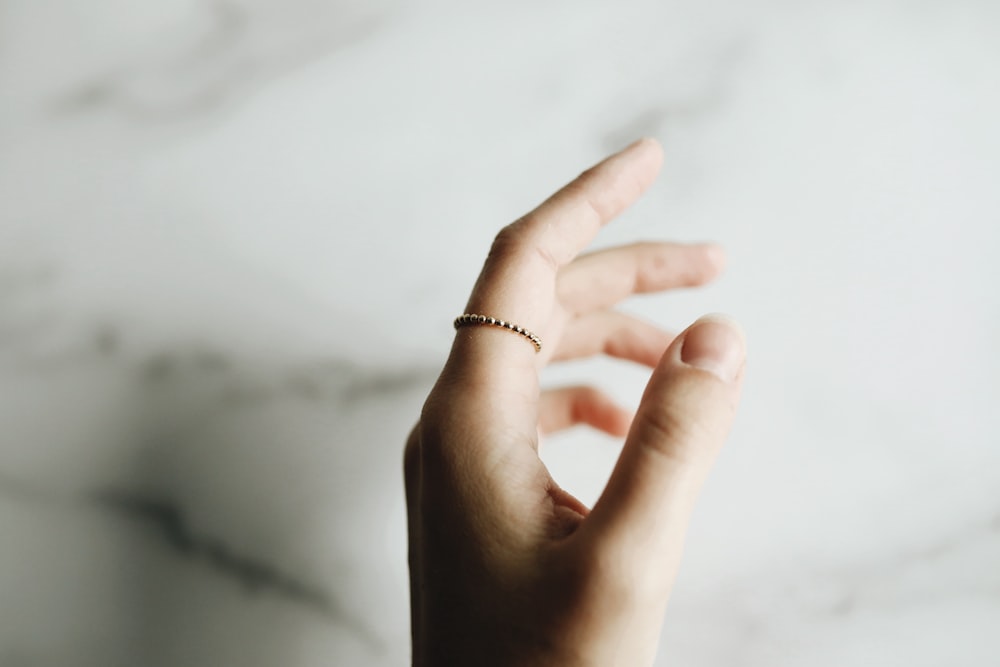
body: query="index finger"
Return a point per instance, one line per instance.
(517, 283)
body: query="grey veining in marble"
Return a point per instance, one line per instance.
(234, 233)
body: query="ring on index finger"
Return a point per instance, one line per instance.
(471, 319)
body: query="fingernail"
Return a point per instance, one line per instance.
(715, 343)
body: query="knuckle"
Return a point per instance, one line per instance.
(621, 338)
(658, 261)
(547, 257)
(588, 394)
(517, 240)
(581, 191)
(507, 240)
(670, 435)
(584, 400)
(660, 264)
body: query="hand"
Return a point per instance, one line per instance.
(507, 568)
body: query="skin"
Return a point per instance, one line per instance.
(506, 567)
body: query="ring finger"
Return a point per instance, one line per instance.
(614, 334)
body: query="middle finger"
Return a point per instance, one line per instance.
(601, 279)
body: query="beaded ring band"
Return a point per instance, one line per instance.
(471, 319)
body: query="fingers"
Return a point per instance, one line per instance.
(682, 421)
(488, 391)
(602, 279)
(614, 334)
(518, 281)
(562, 408)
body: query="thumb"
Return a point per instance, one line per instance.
(684, 418)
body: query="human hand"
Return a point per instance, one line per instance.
(507, 568)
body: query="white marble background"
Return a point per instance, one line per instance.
(233, 234)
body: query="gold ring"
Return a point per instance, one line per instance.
(471, 319)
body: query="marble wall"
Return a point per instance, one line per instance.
(233, 234)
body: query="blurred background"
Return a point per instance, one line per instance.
(234, 233)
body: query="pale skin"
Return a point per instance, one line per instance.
(506, 567)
